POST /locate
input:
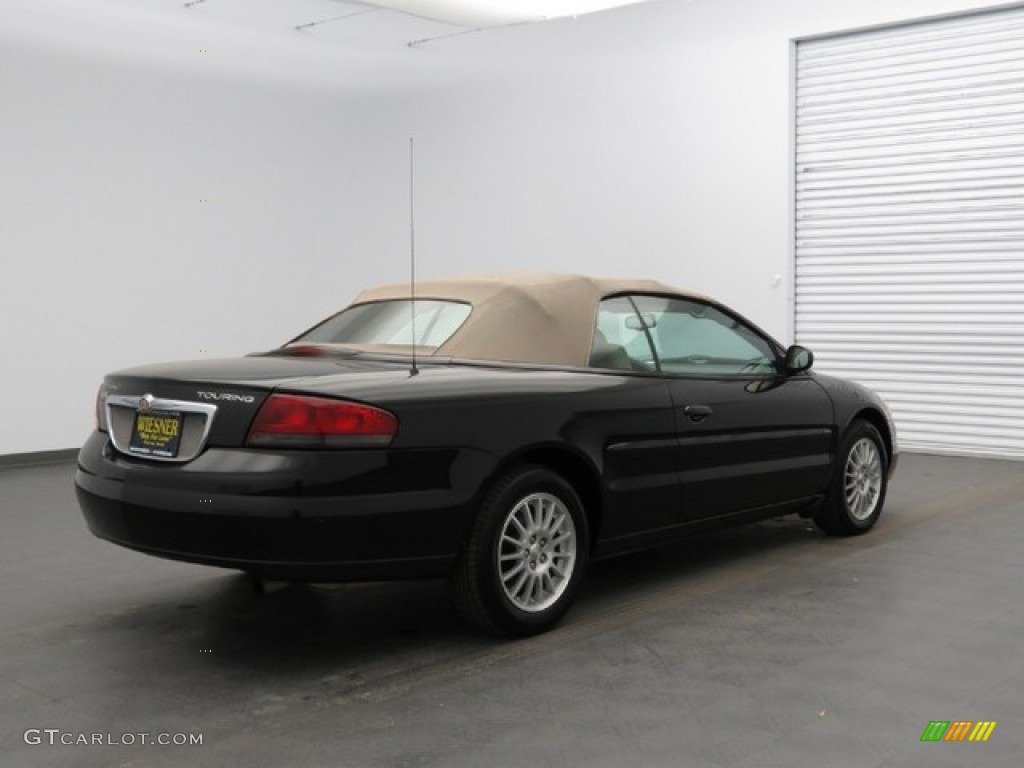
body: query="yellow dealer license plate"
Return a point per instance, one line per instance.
(156, 434)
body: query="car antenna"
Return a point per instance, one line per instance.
(412, 256)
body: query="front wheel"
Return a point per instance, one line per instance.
(859, 483)
(526, 555)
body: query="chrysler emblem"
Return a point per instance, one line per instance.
(146, 403)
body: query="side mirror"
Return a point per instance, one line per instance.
(798, 359)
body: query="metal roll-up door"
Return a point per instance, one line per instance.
(910, 223)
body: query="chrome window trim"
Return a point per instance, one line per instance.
(158, 404)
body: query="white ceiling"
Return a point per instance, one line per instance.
(349, 45)
(372, 31)
(490, 13)
(380, 22)
(342, 22)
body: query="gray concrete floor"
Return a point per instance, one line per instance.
(764, 646)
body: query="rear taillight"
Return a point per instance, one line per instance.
(298, 421)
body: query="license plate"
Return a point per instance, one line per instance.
(156, 434)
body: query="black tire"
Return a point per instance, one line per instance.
(526, 555)
(859, 483)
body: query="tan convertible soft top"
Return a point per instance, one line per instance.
(523, 317)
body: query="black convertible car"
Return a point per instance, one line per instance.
(500, 431)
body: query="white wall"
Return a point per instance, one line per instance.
(109, 259)
(653, 141)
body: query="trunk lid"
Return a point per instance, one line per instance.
(193, 404)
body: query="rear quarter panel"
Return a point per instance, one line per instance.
(620, 426)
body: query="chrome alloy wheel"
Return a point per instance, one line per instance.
(862, 479)
(537, 552)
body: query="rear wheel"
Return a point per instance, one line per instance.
(526, 555)
(859, 483)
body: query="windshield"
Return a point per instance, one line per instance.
(392, 322)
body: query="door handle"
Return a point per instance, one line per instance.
(697, 413)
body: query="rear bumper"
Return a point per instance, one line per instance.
(290, 515)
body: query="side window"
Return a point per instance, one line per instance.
(694, 338)
(620, 339)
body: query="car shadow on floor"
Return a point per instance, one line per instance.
(309, 629)
(217, 638)
(678, 560)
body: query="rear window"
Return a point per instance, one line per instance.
(392, 322)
